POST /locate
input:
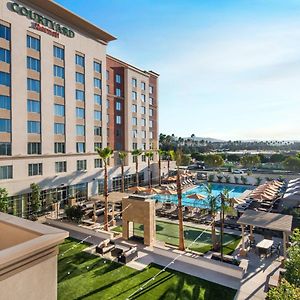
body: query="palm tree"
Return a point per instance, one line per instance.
(212, 200)
(149, 154)
(177, 156)
(136, 153)
(160, 154)
(170, 154)
(122, 156)
(105, 154)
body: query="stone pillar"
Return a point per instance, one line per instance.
(113, 222)
(251, 233)
(243, 238)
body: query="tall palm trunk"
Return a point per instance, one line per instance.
(137, 171)
(105, 197)
(122, 178)
(159, 171)
(213, 233)
(180, 215)
(168, 165)
(149, 174)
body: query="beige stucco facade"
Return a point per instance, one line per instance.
(89, 42)
(28, 259)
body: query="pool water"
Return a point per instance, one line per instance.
(234, 192)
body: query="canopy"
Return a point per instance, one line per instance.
(137, 189)
(113, 197)
(267, 220)
(196, 196)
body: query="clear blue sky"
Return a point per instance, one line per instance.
(228, 69)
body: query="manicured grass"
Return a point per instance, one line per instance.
(168, 233)
(85, 276)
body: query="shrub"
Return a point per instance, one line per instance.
(227, 178)
(244, 179)
(74, 213)
(236, 179)
(3, 200)
(211, 177)
(220, 177)
(258, 180)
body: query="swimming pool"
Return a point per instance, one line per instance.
(217, 188)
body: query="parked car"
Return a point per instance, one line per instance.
(238, 171)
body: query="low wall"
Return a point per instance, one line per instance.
(73, 229)
(206, 263)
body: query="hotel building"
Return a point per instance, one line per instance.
(61, 96)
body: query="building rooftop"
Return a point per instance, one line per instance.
(24, 243)
(69, 17)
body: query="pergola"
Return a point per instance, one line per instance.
(266, 220)
(113, 198)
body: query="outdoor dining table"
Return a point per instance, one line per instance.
(264, 246)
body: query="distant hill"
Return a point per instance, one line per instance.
(207, 139)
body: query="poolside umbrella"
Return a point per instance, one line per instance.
(196, 196)
(169, 192)
(152, 191)
(136, 189)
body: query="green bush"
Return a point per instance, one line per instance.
(74, 213)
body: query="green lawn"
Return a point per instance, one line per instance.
(85, 276)
(168, 233)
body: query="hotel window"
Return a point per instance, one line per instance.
(33, 43)
(59, 90)
(97, 115)
(97, 83)
(118, 120)
(150, 123)
(118, 92)
(143, 158)
(118, 105)
(34, 127)
(59, 71)
(80, 147)
(143, 86)
(60, 166)
(33, 85)
(118, 78)
(107, 118)
(80, 113)
(97, 67)
(79, 60)
(134, 121)
(33, 106)
(6, 172)
(143, 122)
(143, 98)
(134, 146)
(80, 130)
(98, 163)
(59, 148)
(5, 125)
(107, 89)
(144, 147)
(59, 52)
(97, 145)
(107, 103)
(134, 134)
(134, 108)
(134, 96)
(5, 55)
(97, 130)
(151, 100)
(33, 64)
(143, 110)
(59, 110)
(107, 74)
(5, 149)
(81, 165)
(97, 99)
(143, 134)
(151, 89)
(34, 148)
(150, 112)
(4, 32)
(79, 78)
(4, 79)
(5, 102)
(134, 82)
(59, 128)
(150, 134)
(80, 95)
(35, 169)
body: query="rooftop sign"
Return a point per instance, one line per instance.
(53, 28)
